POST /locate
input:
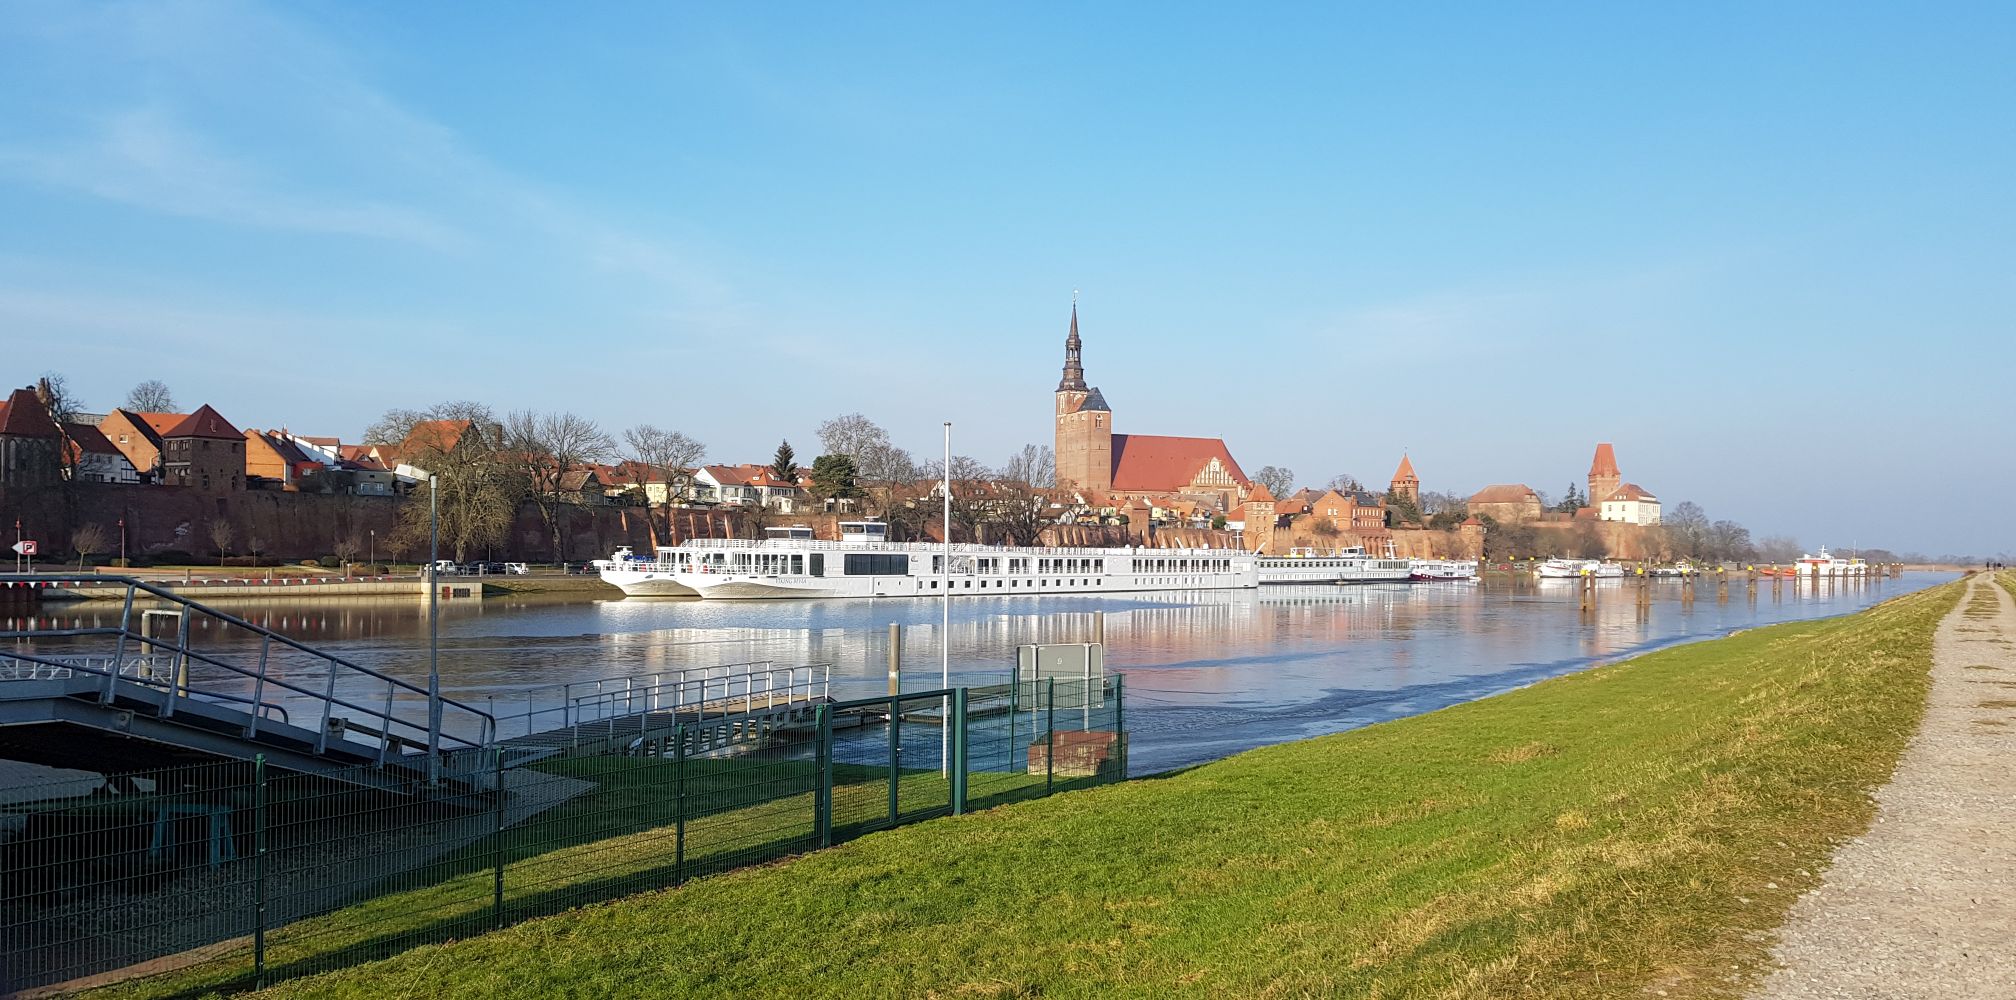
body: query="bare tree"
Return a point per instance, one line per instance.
(1019, 511)
(54, 392)
(479, 490)
(256, 544)
(1345, 482)
(547, 449)
(1035, 465)
(1279, 481)
(670, 456)
(345, 548)
(1778, 549)
(151, 396)
(87, 541)
(220, 536)
(882, 467)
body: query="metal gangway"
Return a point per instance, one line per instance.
(719, 706)
(120, 698)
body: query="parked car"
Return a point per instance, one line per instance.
(444, 567)
(516, 569)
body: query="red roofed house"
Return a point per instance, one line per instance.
(1631, 504)
(94, 457)
(746, 486)
(1091, 457)
(204, 452)
(1506, 503)
(138, 437)
(275, 456)
(30, 443)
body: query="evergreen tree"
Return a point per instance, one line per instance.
(833, 478)
(784, 465)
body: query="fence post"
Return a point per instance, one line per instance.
(259, 870)
(958, 768)
(1120, 719)
(822, 798)
(679, 804)
(895, 755)
(1014, 715)
(1049, 734)
(497, 839)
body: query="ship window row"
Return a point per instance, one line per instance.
(1182, 565)
(877, 564)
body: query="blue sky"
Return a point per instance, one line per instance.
(1765, 249)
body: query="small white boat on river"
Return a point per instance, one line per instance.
(1447, 570)
(1346, 565)
(1570, 569)
(791, 564)
(1825, 564)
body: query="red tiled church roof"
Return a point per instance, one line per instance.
(1148, 462)
(204, 423)
(25, 416)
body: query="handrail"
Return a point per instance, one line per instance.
(918, 548)
(262, 677)
(723, 687)
(144, 680)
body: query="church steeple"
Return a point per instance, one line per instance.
(1074, 368)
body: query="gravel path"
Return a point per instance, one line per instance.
(1924, 904)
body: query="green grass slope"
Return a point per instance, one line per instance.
(1640, 826)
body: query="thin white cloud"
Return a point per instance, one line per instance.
(144, 158)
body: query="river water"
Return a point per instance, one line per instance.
(1207, 673)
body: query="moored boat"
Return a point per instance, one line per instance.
(1454, 570)
(791, 564)
(1347, 565)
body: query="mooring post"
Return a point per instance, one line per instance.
(895, 659)
(1099, 627)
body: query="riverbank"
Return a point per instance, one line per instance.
(590, 586)
(1642, 825)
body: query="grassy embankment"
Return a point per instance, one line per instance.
(1634, 826)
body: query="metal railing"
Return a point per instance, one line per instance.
(374, 719)
(720, 690)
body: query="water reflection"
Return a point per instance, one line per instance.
(1208, 673)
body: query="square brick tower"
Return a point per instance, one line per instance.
(1084, 424)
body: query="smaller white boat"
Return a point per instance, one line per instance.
(1826, 564)
(1453, 570)
(1571, 569)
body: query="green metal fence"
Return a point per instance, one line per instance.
(225, 876)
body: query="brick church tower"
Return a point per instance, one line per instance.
(1084, 424)
(1603, 475)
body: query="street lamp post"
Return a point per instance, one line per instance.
(374, 551)
(433, 632)
(945, 620)
(122, 543)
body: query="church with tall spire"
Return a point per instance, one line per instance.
(1092, 459)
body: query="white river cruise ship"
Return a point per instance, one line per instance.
(791, 564)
